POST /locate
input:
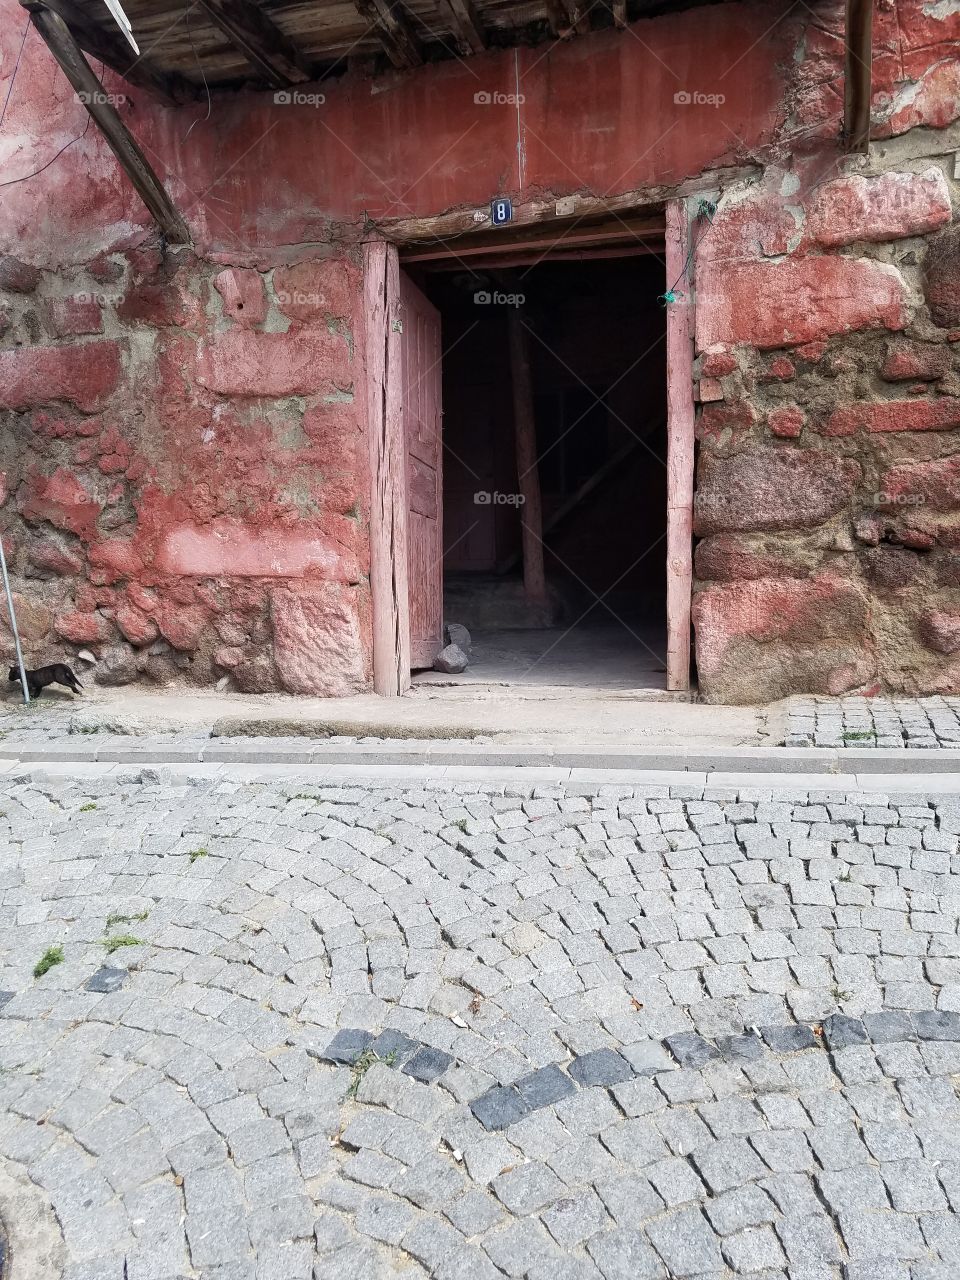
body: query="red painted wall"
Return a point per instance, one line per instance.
(183, 451)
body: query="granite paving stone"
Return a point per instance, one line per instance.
(436, 1029)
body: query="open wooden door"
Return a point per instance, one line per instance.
(421, 413)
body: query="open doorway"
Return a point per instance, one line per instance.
(593, 333)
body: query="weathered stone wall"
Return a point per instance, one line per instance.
(182, 468)
(828, 504)
(182, 433)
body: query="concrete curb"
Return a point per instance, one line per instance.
(440, 754)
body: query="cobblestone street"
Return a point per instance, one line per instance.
(304, 1030)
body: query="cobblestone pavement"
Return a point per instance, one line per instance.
(874, 722)
(305, 1031)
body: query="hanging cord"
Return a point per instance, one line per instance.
(16, 68)
(12, 182)
(705, 210)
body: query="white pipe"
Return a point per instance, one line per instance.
(13, 624)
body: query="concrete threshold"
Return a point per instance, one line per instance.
(439, 754)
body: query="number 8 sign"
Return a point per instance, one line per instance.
(501, 211)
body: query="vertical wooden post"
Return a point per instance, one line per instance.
(528, 474)
(680, 440)
(388, 488)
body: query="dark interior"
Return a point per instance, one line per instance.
(595, 332)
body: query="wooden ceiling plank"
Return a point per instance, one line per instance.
(114, 52)
(464, 22)
(61, 43)
(270, 52)
(394, 31)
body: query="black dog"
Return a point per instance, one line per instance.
(37, 681)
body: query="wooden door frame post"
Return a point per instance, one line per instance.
(390, 604)
(680, 446)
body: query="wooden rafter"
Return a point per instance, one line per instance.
(113, 51)
(394, 31)
(857, 74)
(61, 43)
(567, 18)
(269, 51)
(465, 24)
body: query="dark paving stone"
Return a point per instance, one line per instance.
(889, 1027)
(789, 1039)
(544, 1087)
(499, 1107)
(346, 1046)
(394, 1042)
(106, 980)
(840, 1032)
(745, 1048)
(936, 1025)
(427, 1064)
(6, 997)
(602, 1066)
(690, 1050)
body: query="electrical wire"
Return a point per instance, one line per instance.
(13, 181)
(80, 136)
(16, 68)
(706, 209)
(203, 73)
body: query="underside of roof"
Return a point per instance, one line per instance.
(187, 46)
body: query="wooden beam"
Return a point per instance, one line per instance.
(567, 18)
(643, 234)
(533, 257)
(112, 50)
(857, 75)
(680, 448)
(463, 20)
(528, 473)
(540, 215)
(91, 93)
(394, 31)
(390, 605)
(270, 52)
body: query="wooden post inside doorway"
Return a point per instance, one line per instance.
(680, 445)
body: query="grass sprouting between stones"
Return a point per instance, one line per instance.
(121, 940)
(194, 854)
(363, 1064)
(85, 808)
(116, 918)
(52, 956)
